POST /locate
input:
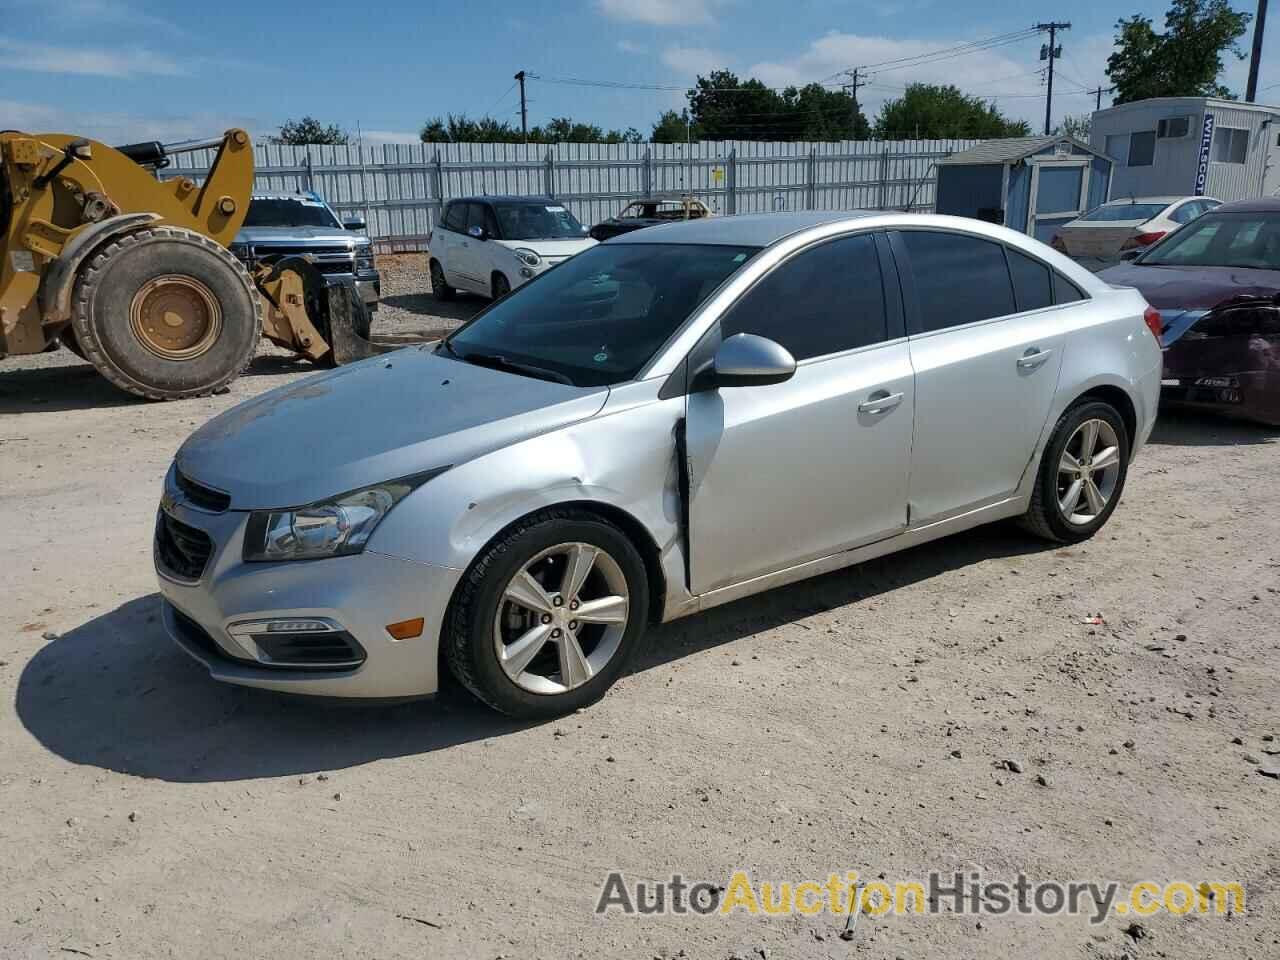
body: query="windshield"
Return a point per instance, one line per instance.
(599, 317)
(538, 221)
(288, 212)
(1113, 212)
(1250, 240)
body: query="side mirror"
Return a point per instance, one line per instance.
(477, 233)
(355, 223)
(1128, 255)
(746, 360)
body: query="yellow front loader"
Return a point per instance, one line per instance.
(134, 273)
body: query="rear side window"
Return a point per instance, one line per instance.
(1064, 291)
(1031, 281)
(455, 217)
(957, 278)
(823, 300)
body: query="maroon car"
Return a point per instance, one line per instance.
(1216, 283)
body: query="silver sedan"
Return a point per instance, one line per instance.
(674, 419)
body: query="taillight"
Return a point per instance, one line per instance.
(1151, 317)
(1143, 240)
(1058, 244)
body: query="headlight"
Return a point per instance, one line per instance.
(527, 256)
(330, 528)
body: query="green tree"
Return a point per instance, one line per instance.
(459, 128)
(929, 111)
(725, 107)
(1185, 60)
(672, 128)
(309, 130)
(1076, 125)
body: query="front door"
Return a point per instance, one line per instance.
(986, 347)
(1059, 189)
(794, 471)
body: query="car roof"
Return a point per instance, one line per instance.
(505, 198)
(747, 230)
(1121, 201)
(286, 195)
(1256, 205)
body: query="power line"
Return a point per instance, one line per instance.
(961, 49)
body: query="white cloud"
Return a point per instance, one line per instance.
(661, 13)
(627, 46)
(115, 128)
(86, 61)
(1009, 74)
(689, 61)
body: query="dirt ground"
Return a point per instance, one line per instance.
(853, 722)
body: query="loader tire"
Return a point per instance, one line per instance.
(166, 313)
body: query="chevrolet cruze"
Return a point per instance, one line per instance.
(671, 420)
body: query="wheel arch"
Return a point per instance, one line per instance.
(60, 278)
(1118, 398)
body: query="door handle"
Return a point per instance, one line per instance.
(880, 402)
(1033, 358)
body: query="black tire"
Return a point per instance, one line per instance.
(104, 294)
(439, 288)
(499, 285)
(468, 638)
(1045, 517)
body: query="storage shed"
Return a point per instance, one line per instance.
(997, 180)
(1191, 146)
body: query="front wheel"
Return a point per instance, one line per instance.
(548, 615)
(1082, 474)
(499, 286)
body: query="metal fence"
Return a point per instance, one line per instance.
(400, 189)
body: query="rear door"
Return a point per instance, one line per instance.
(986, 346)
(790, 472)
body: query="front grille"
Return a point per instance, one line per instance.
(332, 650)
(263, 250)
(200, 496)
(181, 550)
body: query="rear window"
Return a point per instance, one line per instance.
(1113, 212)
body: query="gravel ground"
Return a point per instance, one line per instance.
(859, 721)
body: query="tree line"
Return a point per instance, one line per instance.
(1184, 61)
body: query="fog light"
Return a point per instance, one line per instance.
(406, 629)
(526, 272)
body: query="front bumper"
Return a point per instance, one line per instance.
(361, 594)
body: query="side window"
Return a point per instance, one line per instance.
(1031, 283)
(957, 278)
(824, 300)
(455, 217)
(476, 215)
(1064, 291)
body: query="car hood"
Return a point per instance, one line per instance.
(325, 235)
(551, 248)
(383, 418)
(1185, 294)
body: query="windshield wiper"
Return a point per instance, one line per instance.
(512, 366)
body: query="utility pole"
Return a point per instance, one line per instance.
(1098, 104)
(1255, 59)
(524, 108)
(1051, 52)
(851, 88)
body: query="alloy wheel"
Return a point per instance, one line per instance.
(561, 618)
(1088, 472)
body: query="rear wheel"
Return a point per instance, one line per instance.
(1082, 474)
(439, 288)
(547, 617)
(166, 313)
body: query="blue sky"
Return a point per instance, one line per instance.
(127, 69)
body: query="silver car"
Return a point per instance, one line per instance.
(671, 420)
